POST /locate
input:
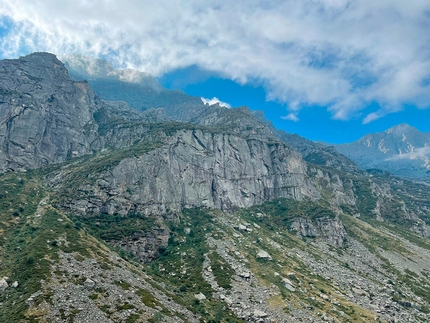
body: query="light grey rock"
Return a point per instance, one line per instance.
(288, 284)
(245, 274)
(46, 117)
(259, 314)
(330, 229)
(324, 296)
(3, 284)
(198, 168)
(402, 150)
(89, 283)
(144, 245)
(200, 296)
(43, 113)
(263, 255)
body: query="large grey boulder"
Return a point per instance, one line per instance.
(3, 284)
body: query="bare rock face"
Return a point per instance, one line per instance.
(44, 116)
(145, 245)
(197, 168)
(330, 229)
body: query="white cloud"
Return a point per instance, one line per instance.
(417, 153)
(215, 100)
(292, 117)
(343, 54)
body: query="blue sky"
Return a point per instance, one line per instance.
(329, 70)
(315, 122)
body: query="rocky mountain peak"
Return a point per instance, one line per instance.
(402, 129)
(402, 150)
(399, 127)
(37, 73)
(45, 116)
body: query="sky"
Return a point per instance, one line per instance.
(329, 70)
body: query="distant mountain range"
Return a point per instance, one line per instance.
(402, 150)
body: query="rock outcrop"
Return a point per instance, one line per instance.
(44, 116)
(197, 168)
(330, 229)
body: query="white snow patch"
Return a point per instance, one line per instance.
(382, 147)
(215, 100)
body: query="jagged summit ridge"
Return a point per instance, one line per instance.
(403, 127)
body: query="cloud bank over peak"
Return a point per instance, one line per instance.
(340, 54)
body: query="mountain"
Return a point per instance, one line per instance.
(113, 214)
(141, 91)
(402, 150)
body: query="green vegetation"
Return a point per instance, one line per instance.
(221, 270)
(317, 158)
(370, 236)
(157, 317)
(280, 213)
(366, 200)
(132, 318)
(114, 227)
(123, 285)
(19, 243)
(30, 241)
(126, 306)
(149, 300)
(181, 263)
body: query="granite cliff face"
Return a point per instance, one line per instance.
(62, 119)
(331, 230)
(45, 117)
(197, 168)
